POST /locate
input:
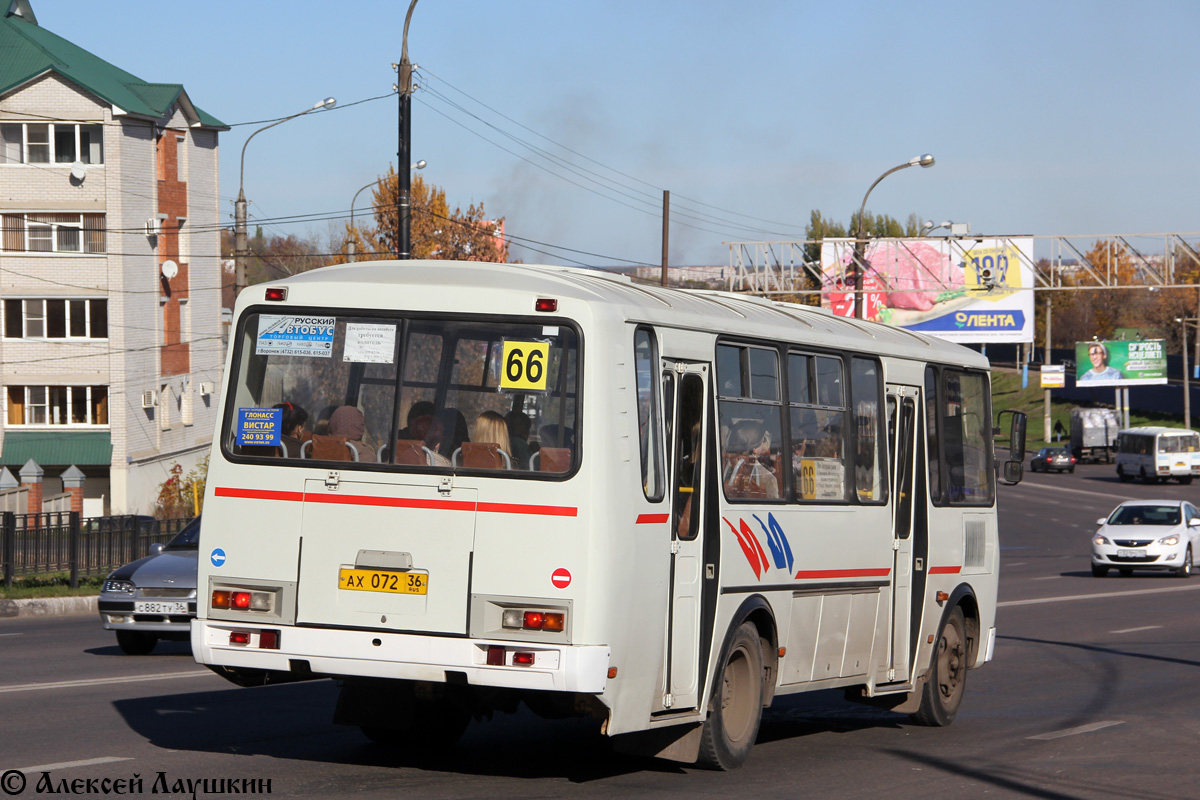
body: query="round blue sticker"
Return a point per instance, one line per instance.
(218, 557)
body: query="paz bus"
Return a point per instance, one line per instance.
(697, 501)
(1157, 454)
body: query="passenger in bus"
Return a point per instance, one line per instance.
(491, 428)
(321, 426)
(294, 435)
(421, 408)
(347, 423)
(430, 430)
(518, 423)
(556, 436)
(455, 426)
(749, 472)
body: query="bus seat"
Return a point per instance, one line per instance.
(331, 448)
(410, 451)
(551, 459)
(482, 455)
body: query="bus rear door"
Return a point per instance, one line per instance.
(902, 429)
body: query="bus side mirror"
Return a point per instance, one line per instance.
(1013, 472)
(1016, 437)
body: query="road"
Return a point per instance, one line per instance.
(1093, 694)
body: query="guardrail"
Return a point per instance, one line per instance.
(59, 541)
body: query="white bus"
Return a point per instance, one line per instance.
(1158, 454)
(698, 501)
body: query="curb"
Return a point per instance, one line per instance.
(50, 607)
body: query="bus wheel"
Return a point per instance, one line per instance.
(1185, 479)
(1121, 474)
(947, 679)
(136, 643)
(736, 706)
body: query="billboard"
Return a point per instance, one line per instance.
(1134, 362)
(964, 290)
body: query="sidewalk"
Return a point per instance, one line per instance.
(49, 607)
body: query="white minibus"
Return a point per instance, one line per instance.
(457, 487)
(1157, 454)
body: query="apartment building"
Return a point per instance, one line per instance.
(110, 271)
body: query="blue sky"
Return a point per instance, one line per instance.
(1047, 118)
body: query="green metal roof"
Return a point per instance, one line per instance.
(28, 50)
(57, 448)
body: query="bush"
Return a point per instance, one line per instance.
(181, 497)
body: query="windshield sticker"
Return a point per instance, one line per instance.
(523, 365)
(370, 344)
(295, 336)
(260, 426)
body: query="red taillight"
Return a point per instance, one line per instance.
(220, 599)
(535, 620)
(241, 600)
(523, 659)
(239, 637)
(268, 640)
(547, 304)
(276, 293)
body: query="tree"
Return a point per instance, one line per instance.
(180, 496)
(435, 231)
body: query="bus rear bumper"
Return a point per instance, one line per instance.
(376, 654)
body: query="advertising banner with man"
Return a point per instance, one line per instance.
(1136, 362)
(964, 290)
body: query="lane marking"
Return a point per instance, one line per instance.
(12, 634)
(1057, 489)
(1095, 726)
(1047, 578)
(1096, 596)
(162, 676)
(71, 764)
(1135, 630)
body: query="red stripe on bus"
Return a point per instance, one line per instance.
(513, 508)
(844, 573)
(944, 570)
(258, 494)
(398, 502)
(650, 519)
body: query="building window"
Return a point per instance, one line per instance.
(56, 318)
(51, 143)
(58, 405)
(54, 233)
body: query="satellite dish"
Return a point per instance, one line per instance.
(78, 171)
(170, 269)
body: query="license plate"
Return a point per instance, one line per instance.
(380, 580)
(152, 607)
(1130, 553)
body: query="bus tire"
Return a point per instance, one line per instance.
(1185, 480)
(136, 643)
(947, 680)
(1121, 474)
(735, 710)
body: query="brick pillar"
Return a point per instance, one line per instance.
(31, 476)
(72, 481)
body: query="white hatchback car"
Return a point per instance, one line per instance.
(1147, 534)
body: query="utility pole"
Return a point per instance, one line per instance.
(403, 158)
(1046, 363)
(666, 232)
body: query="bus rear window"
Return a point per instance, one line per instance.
(474, 395)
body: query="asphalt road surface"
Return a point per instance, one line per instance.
(1094, 693)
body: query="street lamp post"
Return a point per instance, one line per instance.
(351, 256)
(239, 208)
(404, 195)
(860, 244)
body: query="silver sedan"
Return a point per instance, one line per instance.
(154, 597)
(1147, 534)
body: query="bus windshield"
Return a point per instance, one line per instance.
(474, 394)
(1187, 443)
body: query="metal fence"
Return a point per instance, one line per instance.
(59, 541)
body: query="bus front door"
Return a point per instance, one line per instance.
(902, 430)
(687, 385)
